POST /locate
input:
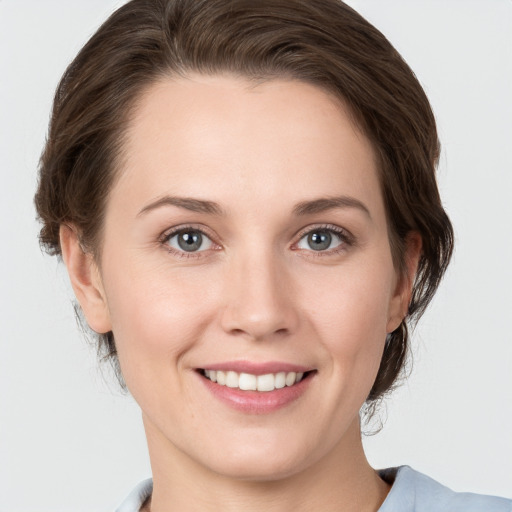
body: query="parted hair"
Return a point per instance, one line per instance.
(321, 42)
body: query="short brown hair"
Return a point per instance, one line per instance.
(322, 42)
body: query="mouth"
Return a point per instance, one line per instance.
(257, 388)
(251, 382)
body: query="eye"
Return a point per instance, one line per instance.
(322, 239)
(188, 240)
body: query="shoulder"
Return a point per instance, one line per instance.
(136, 499)
(412, 491)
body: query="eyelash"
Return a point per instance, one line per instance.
(168, 235)
(346, 238)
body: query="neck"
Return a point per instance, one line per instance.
(342, 480)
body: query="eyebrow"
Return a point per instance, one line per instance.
(188, 203)
(310, 207)
(328, 203)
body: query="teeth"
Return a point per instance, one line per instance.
(280, 380)
(249, 382)
(290, 378)
(232, 380)
(266, 382)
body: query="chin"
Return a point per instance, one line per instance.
(264, 458)
(258, 468)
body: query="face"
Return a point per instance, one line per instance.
(246, 242)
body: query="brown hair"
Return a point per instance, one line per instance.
(322, 42)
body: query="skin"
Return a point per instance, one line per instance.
(256, 292)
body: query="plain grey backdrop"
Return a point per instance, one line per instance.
(70, 441)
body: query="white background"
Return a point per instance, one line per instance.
(69, 441)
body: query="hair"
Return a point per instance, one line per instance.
(321, 42)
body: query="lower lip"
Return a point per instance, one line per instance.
(258, 402)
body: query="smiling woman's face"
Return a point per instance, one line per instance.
(246, 241)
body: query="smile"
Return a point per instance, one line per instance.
(257, 388)
(250, 382)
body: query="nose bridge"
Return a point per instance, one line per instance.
(259, 302)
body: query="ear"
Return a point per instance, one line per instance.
(85, 279)
(399, 304)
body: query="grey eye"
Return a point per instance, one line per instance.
(320, 240)
(190, 240)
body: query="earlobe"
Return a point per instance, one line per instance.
(85, 279)
(402, 297)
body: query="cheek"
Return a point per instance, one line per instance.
(353, 303)
(349, 315)
(156, 317)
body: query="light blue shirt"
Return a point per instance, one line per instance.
(414, 492)
(410, 492)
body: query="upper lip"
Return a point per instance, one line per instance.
(257, 368)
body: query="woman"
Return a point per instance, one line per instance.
(243, 194)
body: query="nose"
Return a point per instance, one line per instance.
(260, 301)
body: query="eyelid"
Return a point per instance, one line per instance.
(346, 237)
(170, 232)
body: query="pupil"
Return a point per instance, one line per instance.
(190, 241)
(319, 240)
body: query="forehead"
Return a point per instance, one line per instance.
(215, 136)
